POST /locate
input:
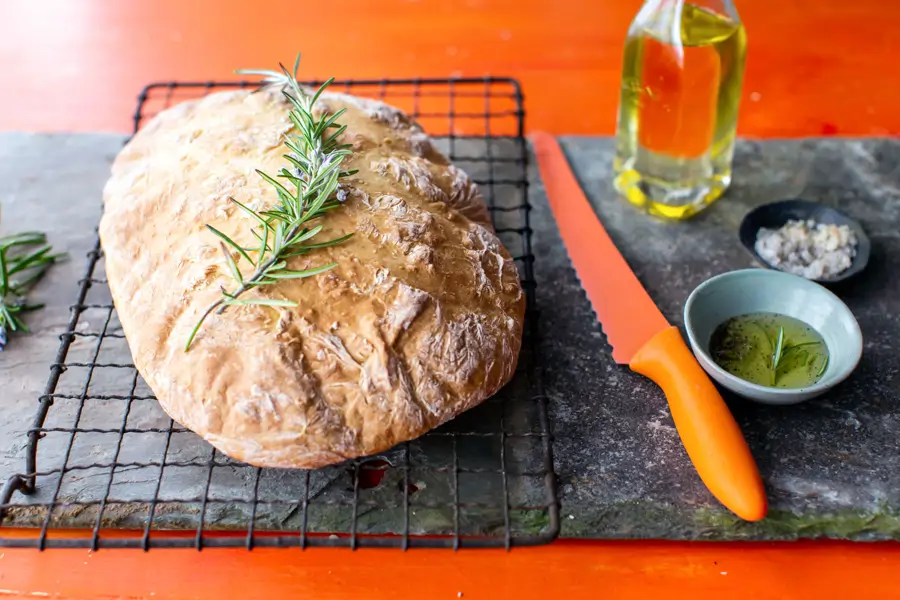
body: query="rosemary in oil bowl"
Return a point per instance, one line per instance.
(770, 349)
(24, 260)
(307, 193)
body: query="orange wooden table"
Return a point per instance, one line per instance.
(564, 570)
(814, 68)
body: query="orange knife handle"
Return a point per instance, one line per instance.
(710, 434)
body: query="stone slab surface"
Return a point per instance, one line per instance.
(128, 460)
(831, 466)
(48, 183)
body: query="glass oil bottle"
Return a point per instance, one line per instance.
(678, 107)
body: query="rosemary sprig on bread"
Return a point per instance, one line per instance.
(306, 192)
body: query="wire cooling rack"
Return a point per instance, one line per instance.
(106, 467)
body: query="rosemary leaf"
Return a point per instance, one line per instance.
(275, 183)
(252, 213)
(264, 247)
(789, 349)
(19, 325)
(291, 158)
(29, 260)
(824, 366)
(4, 275)
(21, 287)
(333, 242)
(321, 89)
(277, 245)
(299, 156)
(231, 264)
(302, 120)
(336, 134)
(304, 235)
(268, 74)
(802, 345)
(330, 122)
(230, 242)
(277, 214)
(779, 349)
(261, 282)
(260, 302)
(288, 274)
(26, 238)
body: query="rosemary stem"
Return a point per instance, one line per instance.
(260, 271)
(257, 274)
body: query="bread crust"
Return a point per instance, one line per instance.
(421, 319)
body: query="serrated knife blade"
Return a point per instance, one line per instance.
(642, 338)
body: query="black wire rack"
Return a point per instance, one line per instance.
(106, 467)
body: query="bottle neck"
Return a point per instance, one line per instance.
(725, 8)
(722, 7)
(663, 17)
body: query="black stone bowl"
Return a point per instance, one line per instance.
(776, 214)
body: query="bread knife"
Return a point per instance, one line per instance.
(643, 339)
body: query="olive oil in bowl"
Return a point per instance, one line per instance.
(678, 107)
(770, 349)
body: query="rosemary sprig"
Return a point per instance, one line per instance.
(24, 259)
(781, 349)
(308, 191)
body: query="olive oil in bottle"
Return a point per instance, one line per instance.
(678, 107)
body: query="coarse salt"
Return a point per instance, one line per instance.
(806, 248)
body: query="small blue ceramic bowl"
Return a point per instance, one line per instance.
(761, 290)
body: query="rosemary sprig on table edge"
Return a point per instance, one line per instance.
(24, 259)
(308, 193)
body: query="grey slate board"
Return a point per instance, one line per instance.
(49, 183)
(126, 467)
(831, 466)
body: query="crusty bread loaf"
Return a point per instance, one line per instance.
(421, 319)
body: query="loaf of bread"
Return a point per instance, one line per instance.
(421, 319)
